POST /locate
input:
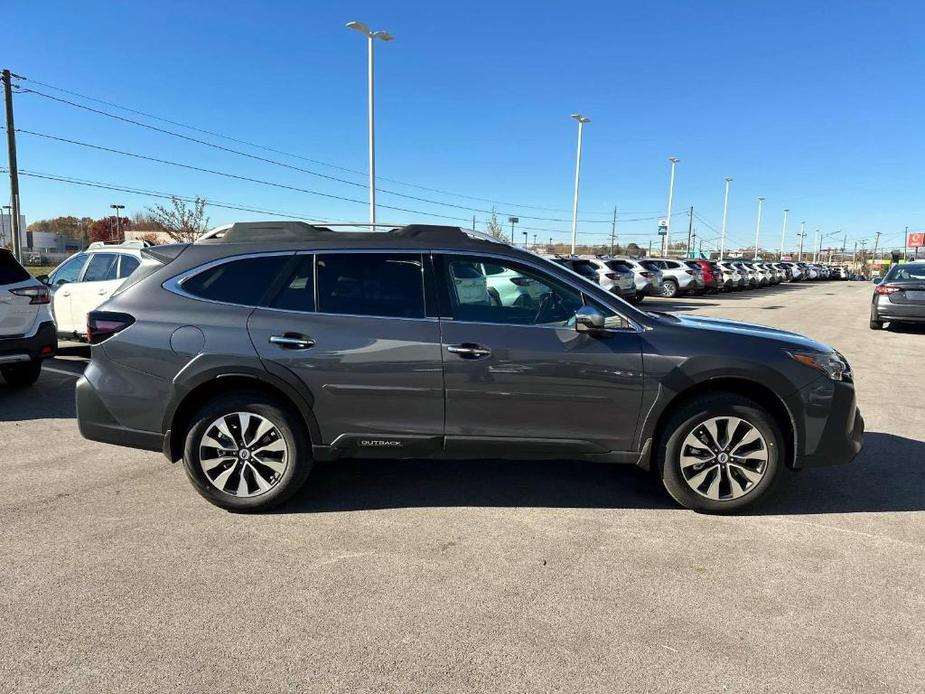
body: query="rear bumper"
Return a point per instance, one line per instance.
(41, 345)
(887, 310)
(830, 429)
(96, 423)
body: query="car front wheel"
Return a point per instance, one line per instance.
(669, 289)
(720, 453)
(246, 452)
(22, 375)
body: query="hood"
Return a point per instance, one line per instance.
(751, 329)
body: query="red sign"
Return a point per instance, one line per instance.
(916, 239)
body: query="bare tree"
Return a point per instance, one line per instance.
(493, 226)
(182, 222)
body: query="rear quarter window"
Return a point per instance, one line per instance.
(11, 271)
(244, 282)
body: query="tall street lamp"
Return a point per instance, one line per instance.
(513, 221)
(758, 226)
(371, 36)
(783, 233)
(802, 236)
(722, 242)
(117, 207)
(581, 121)
(666, 239)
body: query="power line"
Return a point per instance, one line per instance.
(275, 162)
(274, 184)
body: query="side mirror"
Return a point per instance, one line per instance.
(43, 279)
(588, 319)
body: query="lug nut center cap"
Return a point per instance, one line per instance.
(244, 454)
(723, 458)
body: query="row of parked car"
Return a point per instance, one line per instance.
(636, 278)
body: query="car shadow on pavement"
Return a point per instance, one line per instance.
(52, 397)
(906, 328)
(354, 485)
(889, 475)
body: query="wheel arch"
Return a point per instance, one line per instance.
(743, 387)
(178, 417)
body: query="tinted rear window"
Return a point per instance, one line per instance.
(906, 272)
(371, 284)
(584, 267)
(10, 270)
(649, 265)
(617, 266)
(243, 281)
(298, 294)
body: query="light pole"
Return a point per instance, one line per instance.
(117, 207)
(758, 226)
(666, 240)
(581, 121)
(817, 244)
(783, 234)
(525, 239)
(9, 214)
(513, 221)
(802, 236)
(722, 242)
(371, 36)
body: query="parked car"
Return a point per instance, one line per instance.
(677, 278)
(752, 277)
(27, 332)
(614, 276)
(900, 296)
(712, 274)
(86, 280)
(733, 277)
(648, 280)
(264, 347)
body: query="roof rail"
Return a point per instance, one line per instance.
(244, 232)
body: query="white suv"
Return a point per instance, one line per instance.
(87, 279)
(27, 333)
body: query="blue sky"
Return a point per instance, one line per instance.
(816, 106)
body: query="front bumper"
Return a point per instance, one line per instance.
(97, 423)
(830, 428)
(41, 345)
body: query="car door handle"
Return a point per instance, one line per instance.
(469, 351)
(65, 293)
(292, 341)
(101, 292)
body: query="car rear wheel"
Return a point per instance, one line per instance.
(875, 322)
(22, 375)
(669, 289)
(720, 453)
(246, 452)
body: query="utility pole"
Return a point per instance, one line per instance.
(14, 170)
(690, 229)
(473, 222)
(650, 246)
(613, 230)
(783, 234)
(534, 240)
(802, 236)
(854, 258)
(876, 243)
(905, 238)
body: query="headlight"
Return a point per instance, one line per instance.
(832, 364)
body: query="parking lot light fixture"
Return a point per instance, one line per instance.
(582, 119)
(371, 36)
(666, 239)
(758, 226)
(783, 235)
(722, 241)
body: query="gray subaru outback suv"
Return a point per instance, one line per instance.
(264, 347)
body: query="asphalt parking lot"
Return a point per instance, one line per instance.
(426, 576)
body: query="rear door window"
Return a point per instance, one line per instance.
(127, 265)
(102, 267)
(390, 285)
(11, 271)
(244, 281)
(298, 294)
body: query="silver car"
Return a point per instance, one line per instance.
(648, 280)
(678, 278)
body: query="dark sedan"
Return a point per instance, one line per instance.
(899, 297)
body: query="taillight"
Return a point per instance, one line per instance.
(522, 281)
(690, 272)
(37, 295)
(885, 289)
(612, 275)
(101, 325)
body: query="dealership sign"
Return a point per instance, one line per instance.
(916, 239)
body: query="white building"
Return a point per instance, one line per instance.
(6, 227)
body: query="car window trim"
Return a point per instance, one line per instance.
(175, 283)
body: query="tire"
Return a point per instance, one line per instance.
(262, 465)
(683, 424)
(637, 299)
(875, 322)
(22, 375)
(669, 289)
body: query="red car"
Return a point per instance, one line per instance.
(712, 275)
